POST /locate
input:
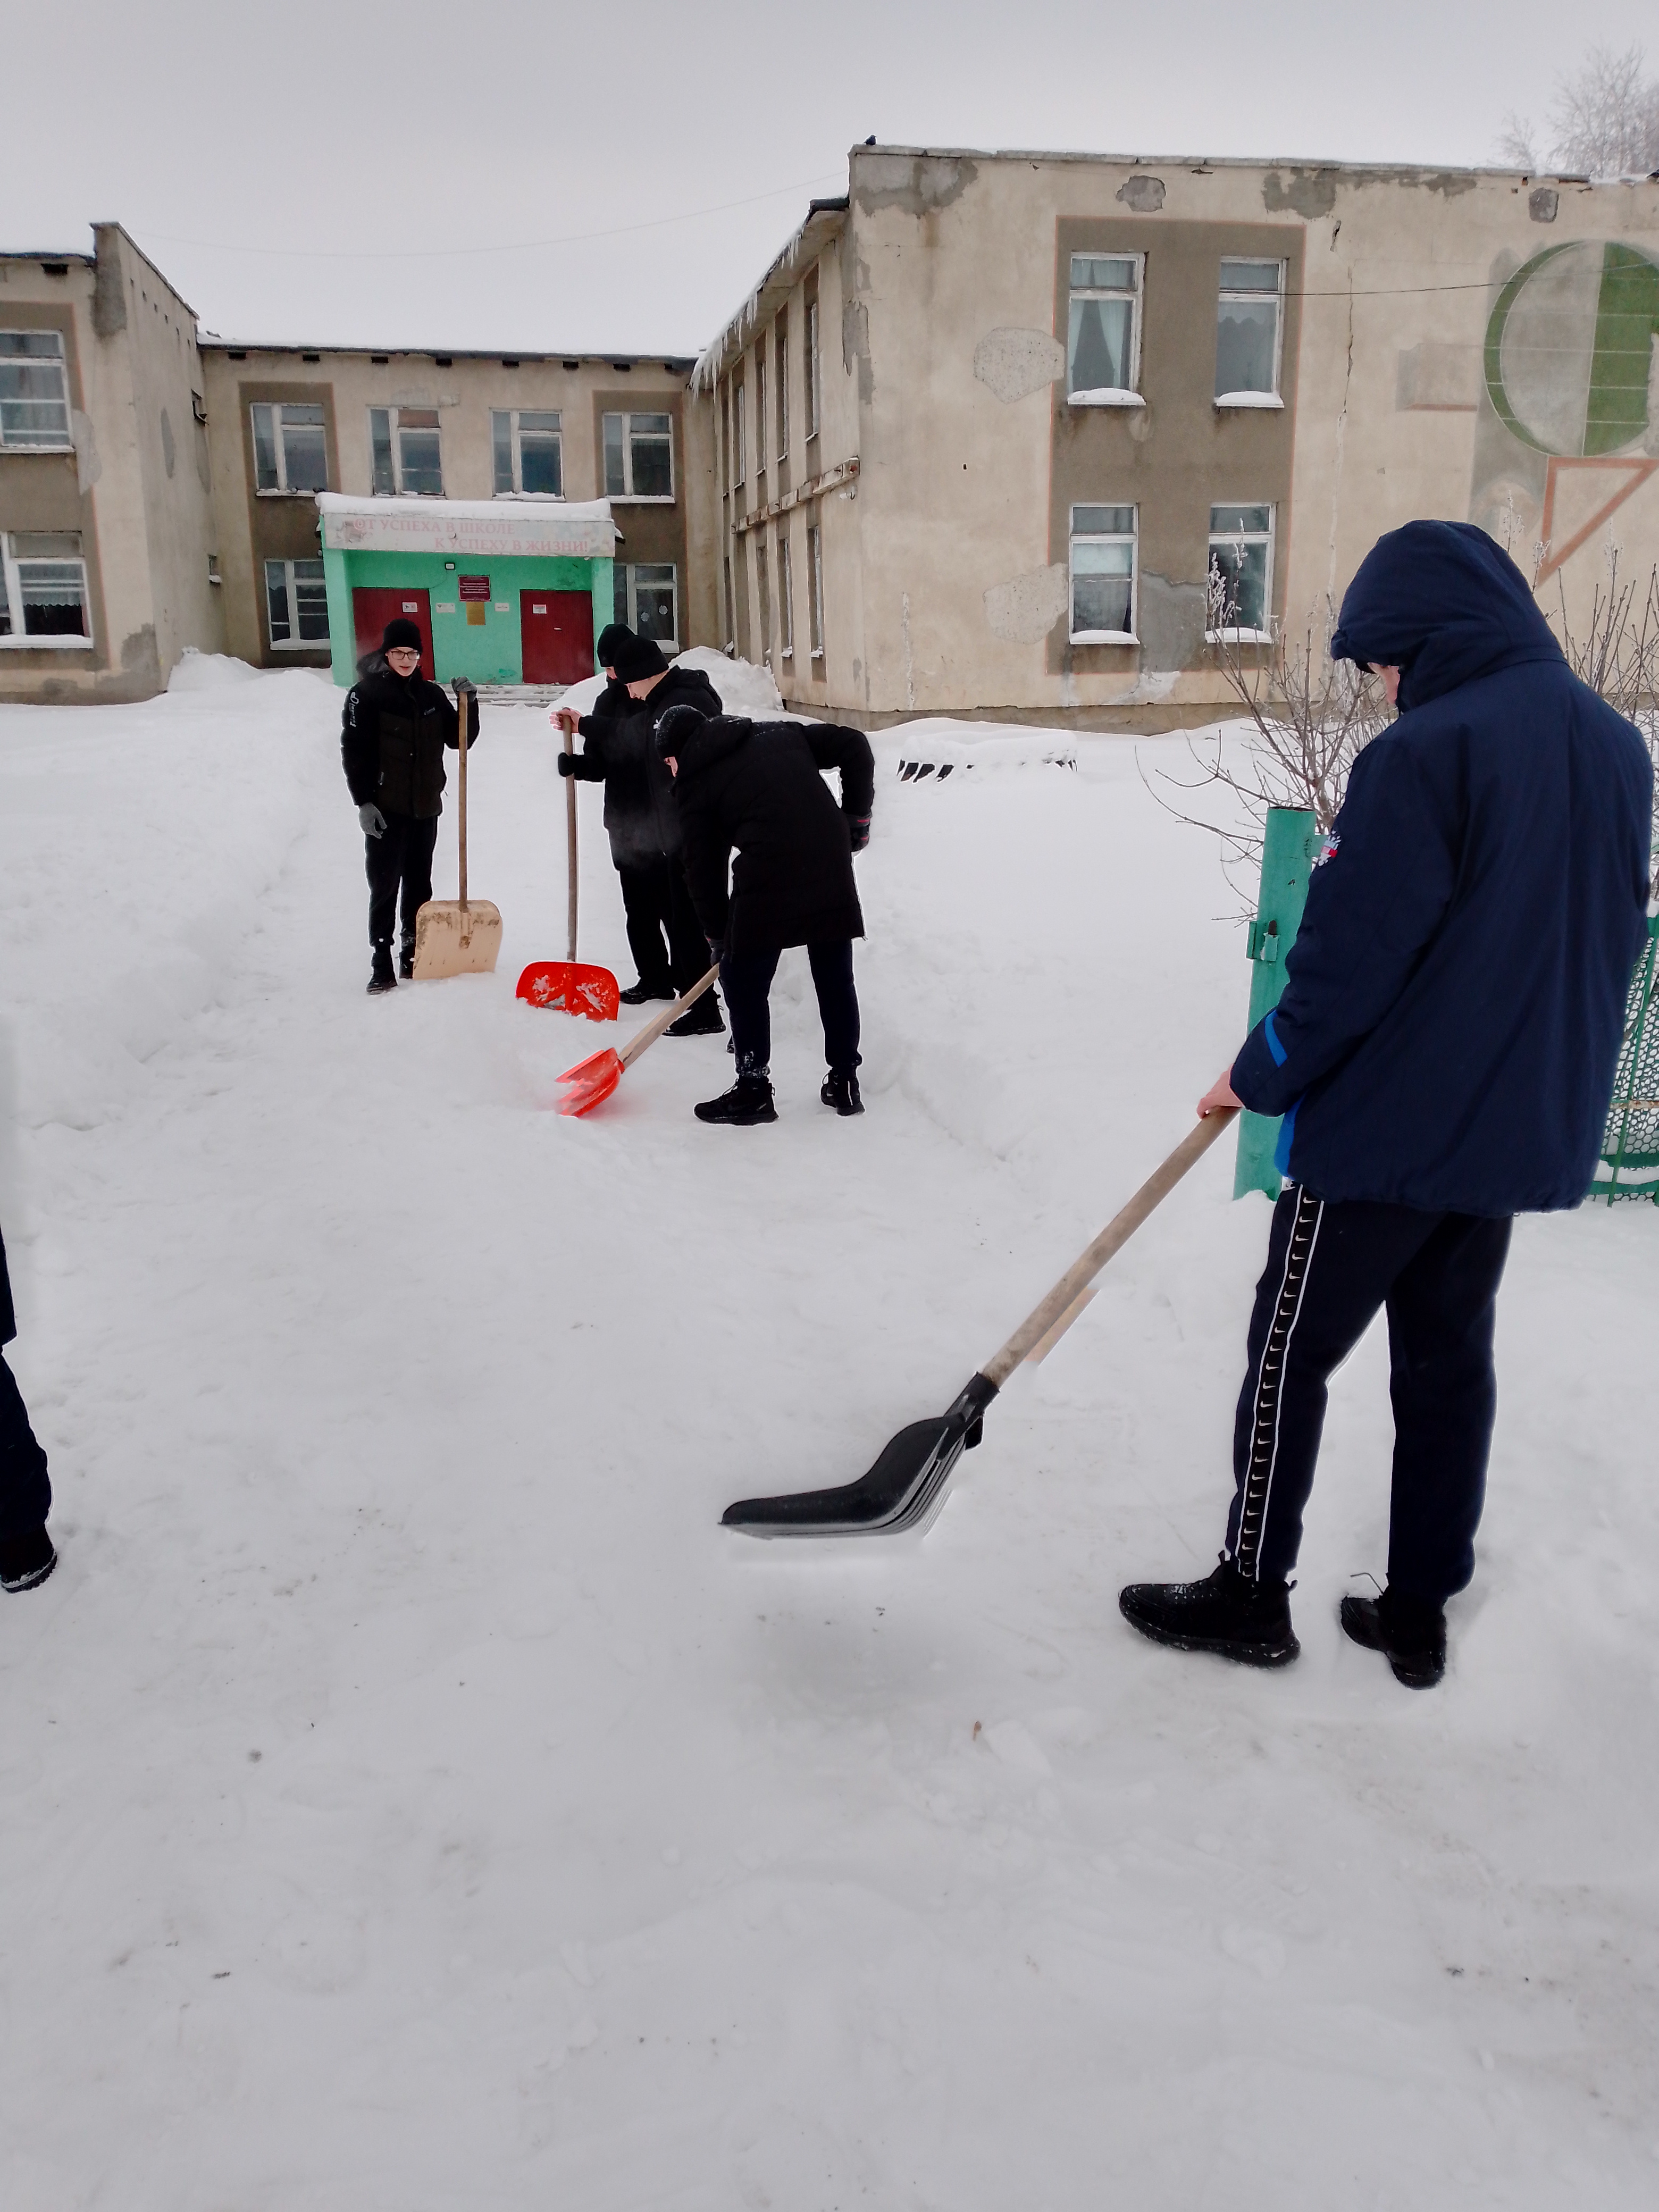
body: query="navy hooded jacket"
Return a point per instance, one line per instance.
(1455, 1000)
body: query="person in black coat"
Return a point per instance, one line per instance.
(757, 787)
(27, 1555)
(1443, 1057)
(393, 734)
(619, 751)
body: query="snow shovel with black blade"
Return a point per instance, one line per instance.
(456, 937)
(567, 986)
(592, 1080)
(906, 1486)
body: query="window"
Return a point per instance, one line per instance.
(1247, 334)
(296, 602)
(760, 408)
(639, 457)
(1103, 575)
(43, 590)
(815, 590)
(290, 449)
(763, 585)
(1241, 585)
(731, 611)
(647, 601)
(529, 453)
(781, 398)
(810, 366)
(786, 600)
(1102, 351)
(34, 411)
(403, 446)
(739, 430)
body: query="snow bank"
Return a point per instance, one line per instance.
(210, 671)
(941, 746)
(744, 689)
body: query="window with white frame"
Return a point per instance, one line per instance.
(739, 430)
(1248, 331)
(763, 590)
(639, 456)
(760, 408)
(34, 411)
(785, 599)
(296, 605)
(815, 590)
(647, 601)
(528, 453)
(811, 365)
(1240, 579)
(1103, 347)
(290, 448)
(405, 451)
(43, 589)
(780, 399)
(1103, 575)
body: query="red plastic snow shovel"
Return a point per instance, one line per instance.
(568, 986)
(592, 1080)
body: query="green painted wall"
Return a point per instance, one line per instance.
(487, 653)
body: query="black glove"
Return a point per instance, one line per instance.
(566, 763)
(716, 952)
(857, 826)
(372, 821)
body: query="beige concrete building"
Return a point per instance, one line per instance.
(106, 516)
(1013, 435)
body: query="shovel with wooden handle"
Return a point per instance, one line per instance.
(458, 937)
(592, 1080)
(906, 1486)
(568, 986)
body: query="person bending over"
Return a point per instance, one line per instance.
(27, 1555)
(756, 786)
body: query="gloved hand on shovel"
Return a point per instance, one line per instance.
(372, 820)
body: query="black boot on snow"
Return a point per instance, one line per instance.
(701, 1020)
(380, 976)
(637, 993)
(842, 1091)
(1244, 1620)
(1410, 1631)
(406, 960)
(26, 1560)
(748, 1101)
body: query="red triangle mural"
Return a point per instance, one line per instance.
(1630, 475)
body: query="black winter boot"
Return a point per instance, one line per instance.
(380, 976)
(406, 960)
(842, 1091)
(637, 993)
(1410, 1631)
(26, 1560)
(701, 1020)
(748, 1101)
(1244, 1620)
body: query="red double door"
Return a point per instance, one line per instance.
(556, 632)
(371, 611)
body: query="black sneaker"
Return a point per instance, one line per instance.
(1244, 1620)
(701, 1020)
(380, 976)
(636, 995)
(1409, 1631)
(842, 1091)
(748, 1101)
(406, 961)
(26, 1561)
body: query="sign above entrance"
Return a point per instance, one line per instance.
(475, 588)
(502, 528)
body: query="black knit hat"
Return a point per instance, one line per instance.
(604, 651)
(630, 656)
(676, 726)
(401, 631)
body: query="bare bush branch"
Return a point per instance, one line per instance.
(1617, 655)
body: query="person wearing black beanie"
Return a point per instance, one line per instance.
(618, 751)
(393, 734)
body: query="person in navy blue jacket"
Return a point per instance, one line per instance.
(1443, 1056)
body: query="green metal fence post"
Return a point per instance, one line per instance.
(1288, 847)
(1630, 1148)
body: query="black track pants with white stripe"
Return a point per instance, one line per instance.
(1331, 1263)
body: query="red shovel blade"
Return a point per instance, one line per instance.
(591, 1081)
(569, 987)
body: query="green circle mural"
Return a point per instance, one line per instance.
(1569, 353)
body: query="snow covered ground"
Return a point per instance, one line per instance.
(415, 1801)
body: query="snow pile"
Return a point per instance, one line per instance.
(414, 1797)
(939, 746)
(195, 670)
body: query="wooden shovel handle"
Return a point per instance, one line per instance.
(654, 1028)
(1065, 1302)
(570, 847)
(465, 712)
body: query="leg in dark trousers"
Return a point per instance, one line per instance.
(24, 1491)
(746, 980)
(399, 858)
(1330, 1264)
(647, 903)
(688, 948)
(838, 1004)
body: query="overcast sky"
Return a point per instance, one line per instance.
(343, 171)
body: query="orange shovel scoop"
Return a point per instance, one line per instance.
(592, 1080)
(568, 987)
